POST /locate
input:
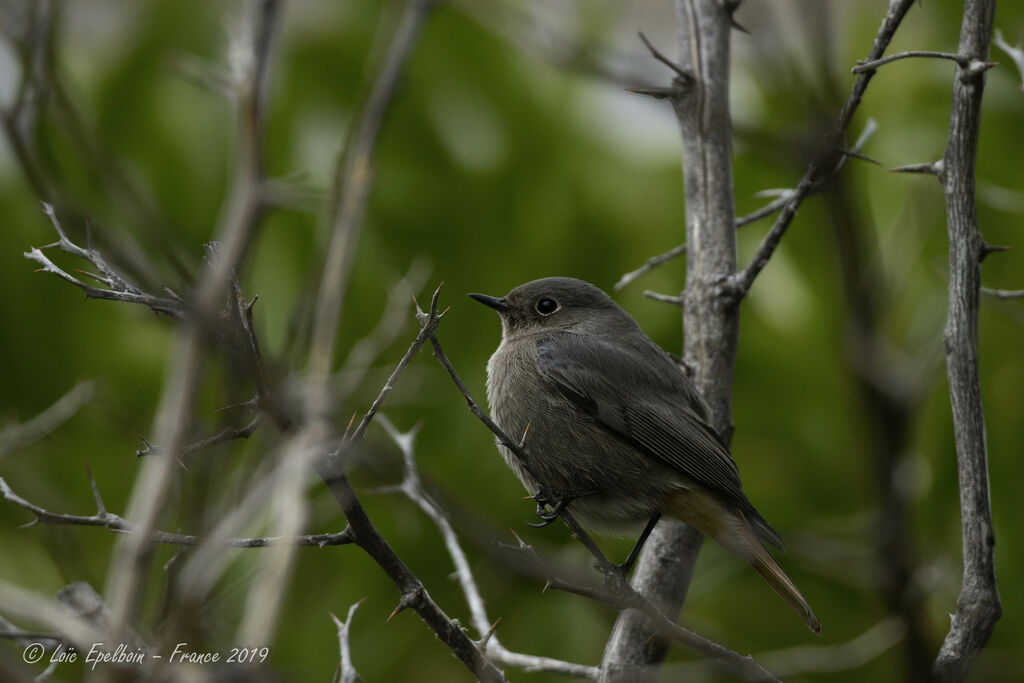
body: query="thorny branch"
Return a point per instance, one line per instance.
(978, 606)
(412, 487)
(414, 595)
(109, 520)
(116, 289)
(739, 284)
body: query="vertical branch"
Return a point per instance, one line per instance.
(241, 213)
(701, 104)
(978, 606)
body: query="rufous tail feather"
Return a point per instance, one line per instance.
(730, 529)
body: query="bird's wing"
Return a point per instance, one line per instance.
(648, 402)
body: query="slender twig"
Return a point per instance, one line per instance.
(811, 659)
(978, 606)
(17, 436)
(346, 669)
(117, 289)
(1015, 52)
(429, 322)
(665, 298)
(739, 284)
(872, 65)
(1003, 293)
(650, 265)
(223, 436)
(109, 520)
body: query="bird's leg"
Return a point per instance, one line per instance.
(556, 500)
(627, 566)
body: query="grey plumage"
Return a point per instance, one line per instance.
(609, 411)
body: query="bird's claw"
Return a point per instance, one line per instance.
(551, 503)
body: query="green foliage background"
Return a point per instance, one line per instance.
(497, 167)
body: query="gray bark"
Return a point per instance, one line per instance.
(711, 325)
(978, 607)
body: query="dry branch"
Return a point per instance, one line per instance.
(978, 607)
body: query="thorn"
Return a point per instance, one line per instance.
(933, 168)
(445, 311)
(100, 507)
(989, 249)
(522, 544)
(547, 585)
(395, 612)
(489, 634)
(738, 27)
(351, 421)
(656, 93)
(526, 431)
(857, 155)
(683, 75)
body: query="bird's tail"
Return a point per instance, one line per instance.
(730, 529)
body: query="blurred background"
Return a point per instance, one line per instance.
(512, 152)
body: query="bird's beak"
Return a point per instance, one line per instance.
(497, 304)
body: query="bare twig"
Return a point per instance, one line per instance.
(346, 669)
(739, 284)
(1015, 52)
(223, 436)
(650, 265)
(109, 520)
(665, 298)
(14, 437)
(812, 659)
(116, 288)
(872, 65)
(978, 607)
(1003, 293)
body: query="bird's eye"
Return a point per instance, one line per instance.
(546, 306)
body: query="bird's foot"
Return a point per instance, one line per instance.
(551, 502)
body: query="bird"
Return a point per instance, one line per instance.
(612, 421)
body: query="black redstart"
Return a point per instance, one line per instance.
(614, 419)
